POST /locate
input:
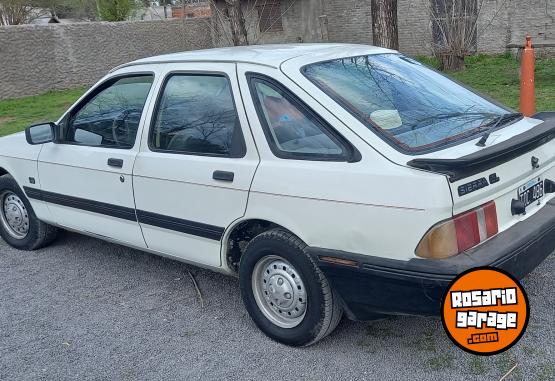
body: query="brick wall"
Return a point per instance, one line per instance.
(38, 58)
(191, 10)
(349, 21)
(501, 22)
(415, 27)
(535, 17)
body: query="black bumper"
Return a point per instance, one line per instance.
(377, 286)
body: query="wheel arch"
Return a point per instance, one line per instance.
(240, 233)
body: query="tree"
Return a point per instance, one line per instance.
(165, 3)
(385, 32)
(455, 29)
(14, 12)
(238, 22)
(116, 10)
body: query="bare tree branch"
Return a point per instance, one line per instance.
(455, 26)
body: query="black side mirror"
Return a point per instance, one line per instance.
(41, 133)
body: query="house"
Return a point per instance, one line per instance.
(192, 9)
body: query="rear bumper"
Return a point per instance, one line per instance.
(378, 286)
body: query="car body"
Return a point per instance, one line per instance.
(191, 160)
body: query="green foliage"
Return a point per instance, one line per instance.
(17, 114)
(116, 10)
(497, 76)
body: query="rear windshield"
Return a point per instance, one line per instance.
(412, 106)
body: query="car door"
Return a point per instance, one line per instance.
(195, 166)
(86, 177)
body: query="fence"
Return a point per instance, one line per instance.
(38, 58)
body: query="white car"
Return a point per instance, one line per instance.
(330, 178)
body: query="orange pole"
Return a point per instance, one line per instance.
(527, 92)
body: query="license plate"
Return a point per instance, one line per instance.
(531, 192)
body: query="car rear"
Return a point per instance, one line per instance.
(499, 168)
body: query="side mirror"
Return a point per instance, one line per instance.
(41, 133)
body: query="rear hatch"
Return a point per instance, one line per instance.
(514, 169)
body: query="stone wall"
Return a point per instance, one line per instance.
(38, 58)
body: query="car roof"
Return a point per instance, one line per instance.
(272, 55)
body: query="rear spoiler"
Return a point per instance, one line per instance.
(492, 156)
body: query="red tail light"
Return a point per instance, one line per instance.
(459, 233)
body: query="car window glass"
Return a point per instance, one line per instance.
(196, 115)
(291, 129)
(413, 107)
(111, 117)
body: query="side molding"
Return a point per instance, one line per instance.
(148, 218)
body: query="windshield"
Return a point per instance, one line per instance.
(412, 106)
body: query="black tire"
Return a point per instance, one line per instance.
(39, 234)
(323, 308)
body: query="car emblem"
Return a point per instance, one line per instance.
(535, 162)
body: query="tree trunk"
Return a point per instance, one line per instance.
(452, 62)
(384, 24)
(237, 23)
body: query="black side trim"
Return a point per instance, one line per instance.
(83, 204)
(181, 225)
(33, 193)
(149, 218)
(492, 156)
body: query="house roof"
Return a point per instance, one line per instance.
(272, 55)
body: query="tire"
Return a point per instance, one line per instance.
(31, 233)
(279, 256)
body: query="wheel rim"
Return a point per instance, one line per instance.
(279, 291)
(14, 215)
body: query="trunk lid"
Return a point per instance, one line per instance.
(516, 158)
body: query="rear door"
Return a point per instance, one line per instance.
(196, 163)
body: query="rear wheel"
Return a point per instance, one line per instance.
(19, 226)
(285, 293)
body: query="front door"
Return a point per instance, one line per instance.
(193, 172)
(86, 179)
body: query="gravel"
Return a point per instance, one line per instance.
(87, 309)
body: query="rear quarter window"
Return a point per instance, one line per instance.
(292, 129)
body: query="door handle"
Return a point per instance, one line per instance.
(223, 176)
(118, 163)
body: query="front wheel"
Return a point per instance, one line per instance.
(285, 293)
(19, 226)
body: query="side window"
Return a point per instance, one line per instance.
(292, 129)
(110, 118)
(196, 115)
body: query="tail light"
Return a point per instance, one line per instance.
(459, 233)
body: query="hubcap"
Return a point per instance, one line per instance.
(279, 291)
(14, 215)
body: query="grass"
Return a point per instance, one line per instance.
(495, 76)
(16, 114)
(498, 77)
